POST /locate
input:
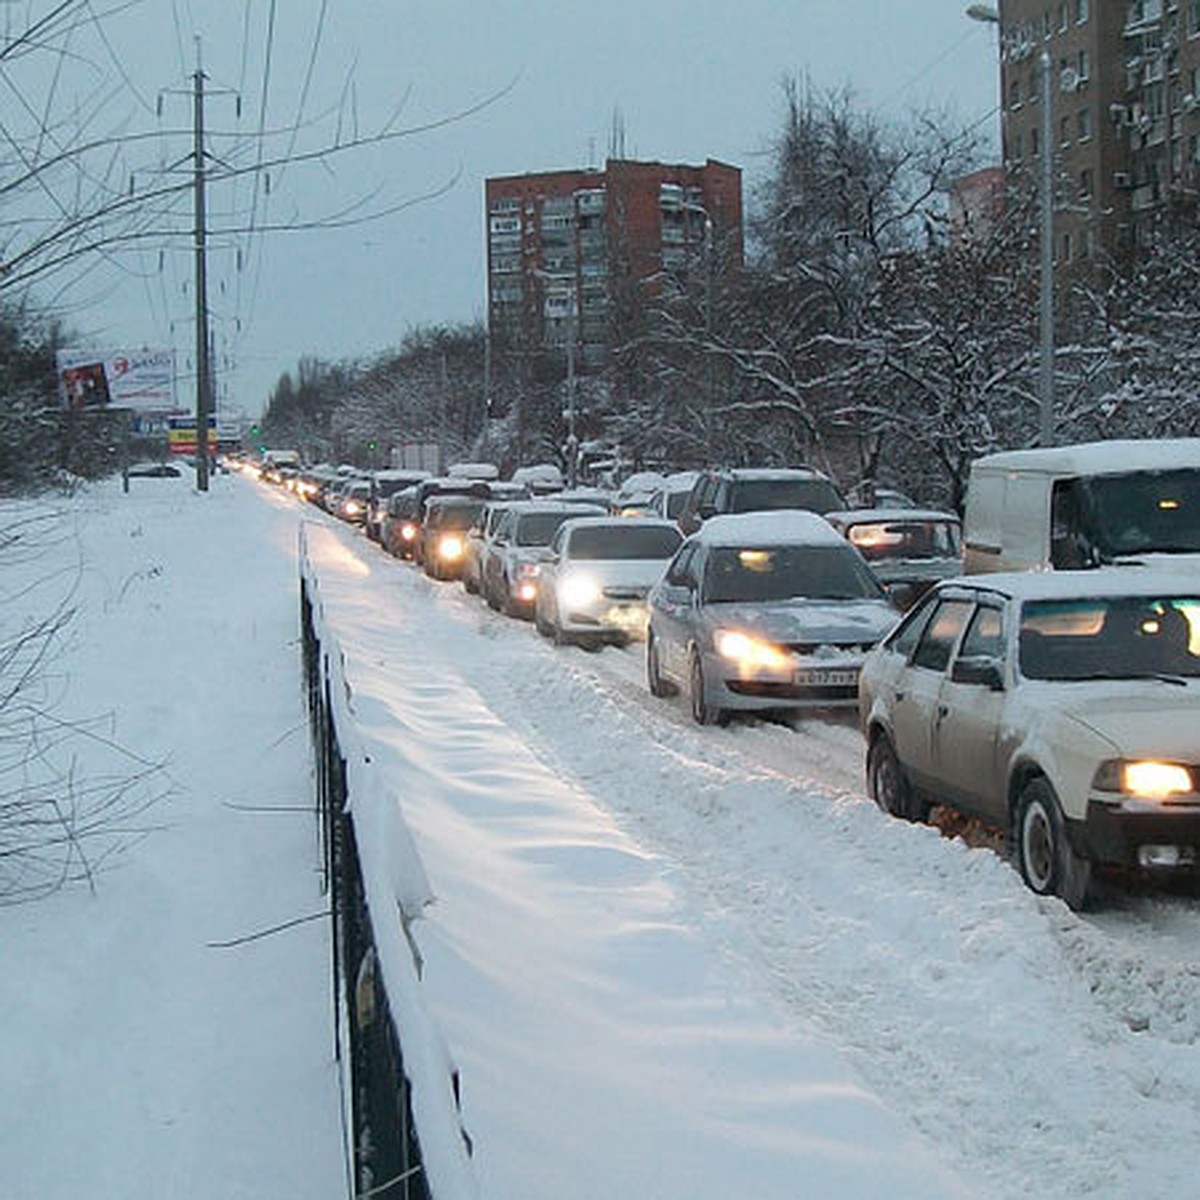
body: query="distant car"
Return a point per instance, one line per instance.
(352, 501)
(1061, 707)
(667, 500)
(764, 611)
(909, 549)
(444, 534)
(757, 489)
(153, 470)
(385, 484)
(478, 544)
(595, 576)
(510, 570)
(399, 527)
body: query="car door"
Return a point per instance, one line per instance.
(919, 689)
(674, 602)
(967, 721)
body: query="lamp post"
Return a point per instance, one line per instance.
(990, 15)
(572, 310)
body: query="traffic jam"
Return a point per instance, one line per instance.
(1033, 666)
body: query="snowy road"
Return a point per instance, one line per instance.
(1043, 1052)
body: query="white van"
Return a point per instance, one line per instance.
(1069, 507)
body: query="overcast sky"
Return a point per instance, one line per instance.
(688, 80)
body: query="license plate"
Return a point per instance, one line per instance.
(826, 677)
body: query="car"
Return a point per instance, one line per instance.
(509, 574)
(757, 489)
(764, 611)
(152, 470)
(1062, 708)
(1128, 502)
(478, 544)
(595, 577)
(352, 500)
(385, 484)
(399, 526)
(443, 536)
(669, 497)
(909, 549)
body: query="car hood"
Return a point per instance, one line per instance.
(639, 573)
(1137, 716)
(814, 621)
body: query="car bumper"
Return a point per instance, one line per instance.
(729, 690)
(1125, 835)
(619, 621)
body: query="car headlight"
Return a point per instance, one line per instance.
(408, 531)
(578, 591)
(353, 508)
(451, 547)
(751, 653)
(1147, 778)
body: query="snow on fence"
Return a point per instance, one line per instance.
(404, 1133)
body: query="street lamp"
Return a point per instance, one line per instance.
(572, 311)
(990, 15)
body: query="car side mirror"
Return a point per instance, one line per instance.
(706, 511)
(980, 670)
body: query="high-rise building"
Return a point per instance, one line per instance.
(559, 243)
(1124, 111)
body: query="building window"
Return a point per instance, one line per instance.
(1193, 18)
(1081, 12)
(1085, 184)
(1066, 247)
(1084, 67)
(1014, 94)
(1064, 131)
(1063, 17)
(1084, 124)
(1033, 143)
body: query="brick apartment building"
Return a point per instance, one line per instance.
(1125, 96)
(557, 242)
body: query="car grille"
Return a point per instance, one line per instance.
(625, 593)
(806, 648)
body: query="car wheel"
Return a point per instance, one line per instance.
(541, 624)
(703, 712)
(489, 594)
(889, 786)
(654, 680)
(469, 584)
(1048, 863)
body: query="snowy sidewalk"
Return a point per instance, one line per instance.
(139, 1059)
(605, 1047)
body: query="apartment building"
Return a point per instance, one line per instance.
(1124, 111)
(559, 242)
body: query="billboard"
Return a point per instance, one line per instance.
(140, 380)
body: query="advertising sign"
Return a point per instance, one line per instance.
(139, 380)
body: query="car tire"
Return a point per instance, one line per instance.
(541, 624)
(703, 713)
(654, 679)
(489, 594)
(888, 785)
(1045, 857)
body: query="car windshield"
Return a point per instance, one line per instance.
(538, 529)
(883, 541)
(1142, 512)
(1121, 637)
(761, 495)
(623, 541)
(454, 516)
(746, 574)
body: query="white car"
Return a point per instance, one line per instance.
(594, 578)
(1061, 707)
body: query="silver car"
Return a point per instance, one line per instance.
(596, 574)
(764, 611)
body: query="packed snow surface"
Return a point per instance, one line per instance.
(666, 960)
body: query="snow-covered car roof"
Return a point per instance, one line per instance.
(622, 522)
(866, 516)
(1102, 458)
(776, 528)
(1067, 585)
(775, 473)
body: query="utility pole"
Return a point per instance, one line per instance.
(203, 393)
(1046, 278)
